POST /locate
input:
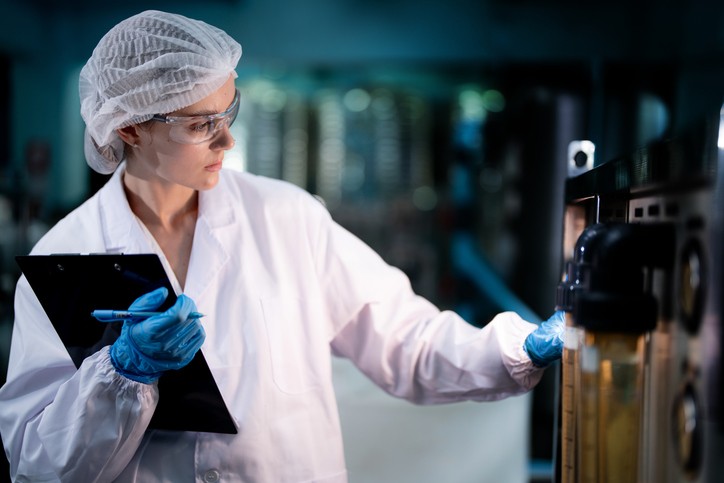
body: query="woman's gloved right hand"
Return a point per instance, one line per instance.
(545, 344)
(148, 347)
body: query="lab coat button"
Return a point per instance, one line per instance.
(212, 476)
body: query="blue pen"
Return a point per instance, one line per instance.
(117, 315)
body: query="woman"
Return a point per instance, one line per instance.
(282, 286)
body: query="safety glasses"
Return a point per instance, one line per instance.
(199, 129)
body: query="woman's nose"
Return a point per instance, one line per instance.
(223, 139)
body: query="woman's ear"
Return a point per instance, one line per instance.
(129, 134)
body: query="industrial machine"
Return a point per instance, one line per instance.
(642, 379)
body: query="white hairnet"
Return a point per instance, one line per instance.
(151, 63)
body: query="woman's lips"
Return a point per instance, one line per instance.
(214, 167)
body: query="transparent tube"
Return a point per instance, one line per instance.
(609, 416)
(572, 341)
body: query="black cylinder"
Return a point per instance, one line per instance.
(604, 287)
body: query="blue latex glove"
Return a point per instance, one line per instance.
(545, 344)
(148, 347)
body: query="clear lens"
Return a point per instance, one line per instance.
(199, 129)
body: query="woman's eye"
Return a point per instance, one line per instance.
(200, 127)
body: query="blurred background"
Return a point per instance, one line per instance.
(436, 131)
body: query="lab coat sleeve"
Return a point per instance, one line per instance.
(63, 424)
(405, 344)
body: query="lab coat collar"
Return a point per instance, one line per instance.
(215, 209)
(116, 216)
(216, 206)
(209, 253)
(122, 234)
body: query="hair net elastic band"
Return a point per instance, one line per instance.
(103, 160)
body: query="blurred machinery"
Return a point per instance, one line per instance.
(642, 386)
(363, 148)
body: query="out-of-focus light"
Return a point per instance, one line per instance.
(475, 104)
(266, 94)
(332, 149)
(424, 198)
(274, 100)
(471, 104)
(257, 89)
(720, 141)
(493, 100)
(357, 100)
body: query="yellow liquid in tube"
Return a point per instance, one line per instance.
(609, 419)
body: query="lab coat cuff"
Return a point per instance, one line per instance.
(109, 373)
(515, 358)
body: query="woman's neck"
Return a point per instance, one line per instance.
(169, 213)
(160, 204)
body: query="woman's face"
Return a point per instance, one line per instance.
(157, 157)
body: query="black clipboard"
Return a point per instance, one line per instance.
(70, 286)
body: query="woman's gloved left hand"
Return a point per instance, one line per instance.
(545, 344)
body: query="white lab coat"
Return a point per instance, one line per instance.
(283, 288)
